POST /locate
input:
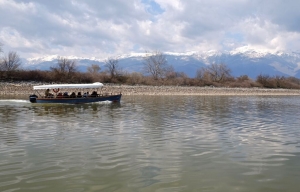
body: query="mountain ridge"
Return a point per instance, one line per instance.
(245, 62)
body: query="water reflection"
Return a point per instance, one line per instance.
(152, 143)
(67, 110)
(9, 125)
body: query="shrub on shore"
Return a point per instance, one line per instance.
(278, 82)
(135, 78)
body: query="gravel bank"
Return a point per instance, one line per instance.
(27, 89)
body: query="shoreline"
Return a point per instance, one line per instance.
(25, 88)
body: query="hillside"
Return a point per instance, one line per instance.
(251, 63)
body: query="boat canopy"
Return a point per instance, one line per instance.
(68, 86)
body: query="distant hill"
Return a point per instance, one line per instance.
(251, 63)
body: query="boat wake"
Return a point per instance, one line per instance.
(13, 101)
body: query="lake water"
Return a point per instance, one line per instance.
(153, 143)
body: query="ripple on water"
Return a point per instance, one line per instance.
(162, 143)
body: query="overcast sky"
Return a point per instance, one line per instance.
(101, 28)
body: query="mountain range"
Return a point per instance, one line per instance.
(249, 62)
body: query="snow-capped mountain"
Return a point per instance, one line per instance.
(241, 62)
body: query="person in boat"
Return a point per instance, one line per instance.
(73, 95)
(94, 94)
(47, 93)
(65, 94)
(79, 94)
(86, 94)
(59, 95)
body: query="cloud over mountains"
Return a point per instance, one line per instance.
(93, 28)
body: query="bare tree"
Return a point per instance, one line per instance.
(11, 62)
(65, 69)
(199, 74)
(94, 69)
(112, 64)
(218, 72)
(156, 64)
(202, 74)
(94, 72)
(171, 73)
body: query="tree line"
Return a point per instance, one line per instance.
(156, 71)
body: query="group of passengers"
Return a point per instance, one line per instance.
(72, 95)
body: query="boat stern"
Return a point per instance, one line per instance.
(32, 98)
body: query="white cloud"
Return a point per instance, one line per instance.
(15, 41)
(92, 28)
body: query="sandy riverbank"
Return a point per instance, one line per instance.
(26, 89)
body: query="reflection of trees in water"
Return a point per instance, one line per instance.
(214, 107)
(160, 111)
(163, 112)
(8, 127)
(267, 105)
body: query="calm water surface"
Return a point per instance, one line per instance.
(153, 143)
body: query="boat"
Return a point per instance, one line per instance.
(63, 97)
